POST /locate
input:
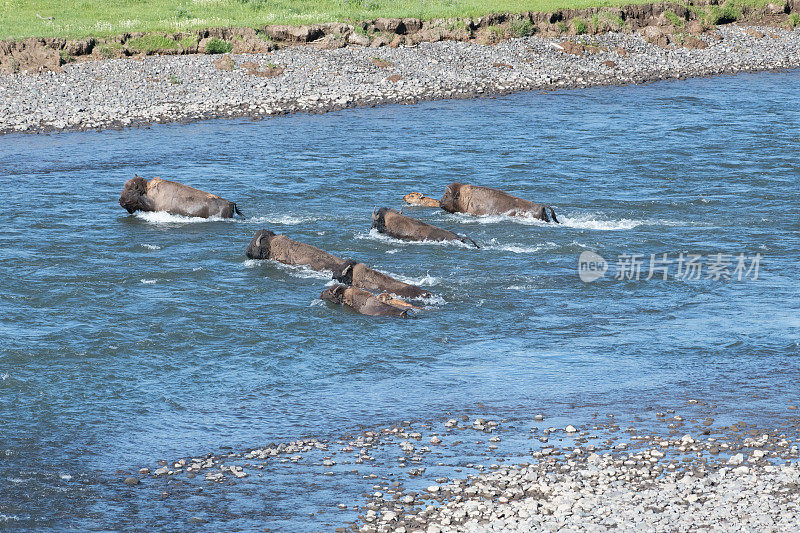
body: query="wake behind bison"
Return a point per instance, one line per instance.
(138, 194)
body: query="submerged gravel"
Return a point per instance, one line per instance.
(677, 471)
(126, 92)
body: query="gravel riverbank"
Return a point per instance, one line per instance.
(676, 470)
(131, 92)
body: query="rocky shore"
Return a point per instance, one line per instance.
(675, 470)
(138, 91)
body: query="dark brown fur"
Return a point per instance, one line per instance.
(360, 275)
(474, 200)
(138, 194)
(399, 226)
(267, 245)
(361, 301)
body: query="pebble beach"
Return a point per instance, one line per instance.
(133, 92)
(680, 470)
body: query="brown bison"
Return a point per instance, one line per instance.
(399, 226)
(462, 198)
(267, 245)
(387, 298)
(361, 276)
(175, 198)
(362, 301)
(416, 198)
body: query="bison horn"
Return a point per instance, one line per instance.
(373, 211)
(401, 209)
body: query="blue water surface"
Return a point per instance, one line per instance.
(128, 339)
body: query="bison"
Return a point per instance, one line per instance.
(416, 198)
(267, 245)
(138, 194)
(361, 276)
(474, 200)
(362, 301)
(399, 226)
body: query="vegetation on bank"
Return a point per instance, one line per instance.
(100, 18)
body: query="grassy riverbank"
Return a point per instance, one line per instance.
(98, 18)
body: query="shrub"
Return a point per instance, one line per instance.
(674, 19)
(187, 42)
(108, 50)
(580, 26)
(522, 28)
(497, 32)
(218, 46)
(615, 21)
(729, 12)
(152, 43)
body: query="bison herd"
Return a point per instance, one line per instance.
(359, 287)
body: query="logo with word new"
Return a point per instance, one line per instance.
(591, 266)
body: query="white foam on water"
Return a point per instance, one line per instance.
(434, 300)
(514, 248)
(298, 271)
(594, 223)
(425, 281)
(8, 518)
(286, 220)
(195, 269)
(65, 477)
(589, 221)
(5, 376)
(148, 281)
(162, 217)
(150, 246)
(375, 235)
(392, 251)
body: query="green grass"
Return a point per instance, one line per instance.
(151, 43)
(580, 26)
(794, 20)
(218, 46)
(100, 18)
(65, 57)
(522, 28)
(108, 50)
(187, 42)
(674, 19)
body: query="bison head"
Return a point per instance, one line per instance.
(134, 195)
(379, 219)
(259, 246)
(334, 294)
(413, 198)
(345, 273)
(449, 201)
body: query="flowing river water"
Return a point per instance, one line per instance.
(132, 338)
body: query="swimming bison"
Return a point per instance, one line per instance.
(362, 301)
(361, 276)
(175, 198)
(417, 199)
(267, 245)
(474, 200)
(390, 222)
